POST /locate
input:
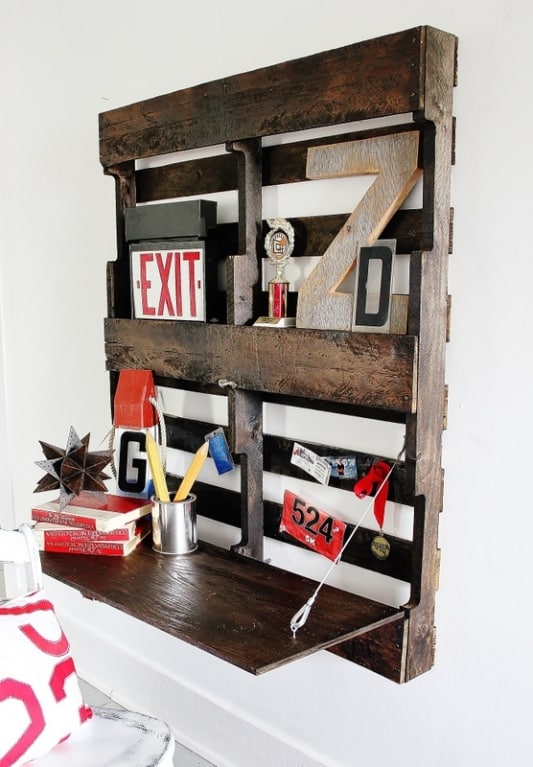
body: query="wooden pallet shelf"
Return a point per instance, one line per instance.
(369, 369)
(231, 606)
(231, 603)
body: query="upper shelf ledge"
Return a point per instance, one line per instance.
(368, 369)
(371, 79)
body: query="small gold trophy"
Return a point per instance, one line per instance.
(279, 244)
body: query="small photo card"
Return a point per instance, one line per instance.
(311, 463)
(342, 466)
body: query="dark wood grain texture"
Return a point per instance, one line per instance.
(429, 319)
(381, 650)
(118, 272)
(245, 415)
(231, 606)
(375, 78)
(242, 267)
(371, 369)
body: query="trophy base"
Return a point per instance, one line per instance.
(275, 322)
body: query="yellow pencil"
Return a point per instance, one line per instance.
(192, 472)
(156, 467)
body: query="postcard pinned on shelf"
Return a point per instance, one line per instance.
(311, 463)
(342, 466)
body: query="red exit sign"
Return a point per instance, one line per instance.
(169, 284)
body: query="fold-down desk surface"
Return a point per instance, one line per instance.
(231, 606)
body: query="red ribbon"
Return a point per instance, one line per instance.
(365, 486)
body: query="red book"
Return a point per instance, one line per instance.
(49, 531)
(95, 548)
(92, 513)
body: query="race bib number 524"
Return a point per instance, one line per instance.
(311, 526)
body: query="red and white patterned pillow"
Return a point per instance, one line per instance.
(40, 698)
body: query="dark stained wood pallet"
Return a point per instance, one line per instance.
(237, 607)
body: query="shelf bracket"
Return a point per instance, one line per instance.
(118, 272)
(242, 273)
(246, 439)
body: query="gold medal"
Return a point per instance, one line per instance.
(380, 547)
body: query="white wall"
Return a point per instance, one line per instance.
(63, 62)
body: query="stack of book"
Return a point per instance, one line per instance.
(111, 525)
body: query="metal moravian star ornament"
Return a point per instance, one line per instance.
(73, 469)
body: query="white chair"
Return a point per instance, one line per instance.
(114, 739)
(110, 738)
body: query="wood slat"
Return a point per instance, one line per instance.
(224, 506)
(370, 79)
(353, 410)
(234, 607)
(281, 164)
(187, 434)
(372, 369)
(381, 650)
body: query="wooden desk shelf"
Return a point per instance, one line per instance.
(231, 606)
(231, 603)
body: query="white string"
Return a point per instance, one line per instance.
(162, 430)
(299, 618)
(111, 446)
